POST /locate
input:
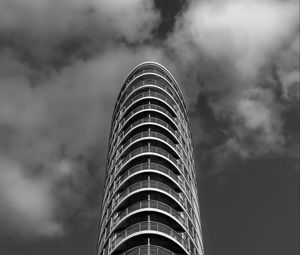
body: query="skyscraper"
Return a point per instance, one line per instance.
(150, 204)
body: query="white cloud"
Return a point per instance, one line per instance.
(246, 33)
(263, 119)
(26, 204)
(47, 128)
(53, 123)
(231, 49)
(47, 21)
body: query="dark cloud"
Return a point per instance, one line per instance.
(241, 55)
(62, 64)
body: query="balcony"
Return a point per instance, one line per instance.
(144, 121)
(150, 227)
(151, 204)
(150, 107)
(146, 185)
(147, 150)
(146, 95)
(149, 250)
(152, 150)
(152, 167)
(138, 85)
(168, 86)
(149, 134)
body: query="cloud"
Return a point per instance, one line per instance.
(260, 120)
(51, 20)
(246, 33)
(26, 203)
(54, 33)
(243, 56)
(62, 64)
(49, 134)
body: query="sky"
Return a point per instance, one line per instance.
(62, 64)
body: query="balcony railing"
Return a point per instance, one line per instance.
(151, 204)
(151, 149)
(148, 250)
(170, 89)
(149, 184)
(150, 166)
(146, 149)
(146, 95)
(149, 134)
(147, 107)
(138, 85)
(150, 226)
(146, 120)
(149, 120)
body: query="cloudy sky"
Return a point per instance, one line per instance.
(62, 63)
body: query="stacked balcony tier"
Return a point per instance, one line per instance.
(150, 203)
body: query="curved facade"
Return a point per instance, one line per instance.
(150, 204)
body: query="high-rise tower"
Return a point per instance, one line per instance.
(150, 204)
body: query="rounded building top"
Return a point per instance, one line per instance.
(152, 63)
(158, 69)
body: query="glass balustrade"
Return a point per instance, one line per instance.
(147, 95)
(150, 166)
(150, 204)
(148, 250)
(149, 184)
(152, 226)
(133, 85)
(151, 134)
(149, 120)
(138, 85)
(146, 149)
(151, 149)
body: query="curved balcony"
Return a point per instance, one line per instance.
(133, 85)
(176, 120)
(156, 69)
(150, 95)
(149, 70)
(180, 163)
(147, 205)
(149, 167)
(139, 85)
(146, 150)
(179, 198)
(150, 204)
(146, 121)
(146, 185)
(153, 205)
(154, 151)
(154, 167)
(146, 135)
(147, 107)
(150, 227)
(148, 250)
